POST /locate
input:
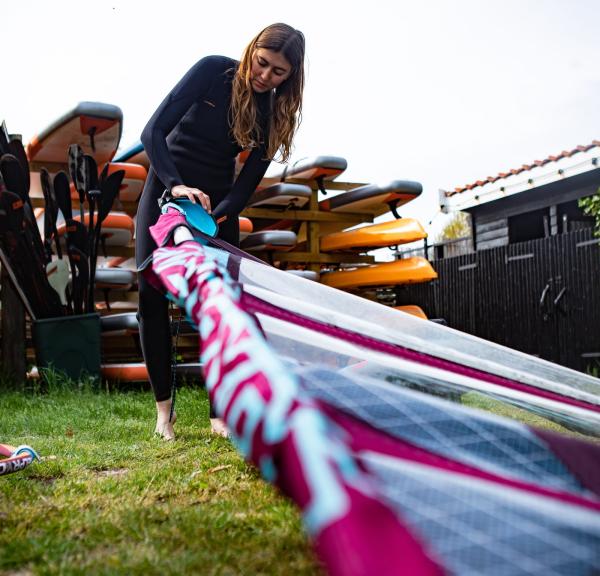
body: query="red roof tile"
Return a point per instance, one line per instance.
(524, 167)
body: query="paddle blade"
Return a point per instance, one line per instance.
(4, 139)
(58, 277)
(62, 193)
(14, 178)
(15, 147)
(90, 173)
(11, 212)
(77, 236)
(110, 190)
(76, 170)
(104, 174)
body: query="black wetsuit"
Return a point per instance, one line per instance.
(188, 141)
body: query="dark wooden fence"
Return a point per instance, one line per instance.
(541, 297)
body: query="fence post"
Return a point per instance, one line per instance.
(13, 333)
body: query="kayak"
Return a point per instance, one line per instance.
(404, 271)
(374, 236)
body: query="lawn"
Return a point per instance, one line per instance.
(109, 498)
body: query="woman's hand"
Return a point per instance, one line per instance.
(194, 195)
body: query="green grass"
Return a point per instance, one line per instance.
(109, 498)
(482, 402)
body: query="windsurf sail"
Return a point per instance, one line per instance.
(389, 479)
(304, 320)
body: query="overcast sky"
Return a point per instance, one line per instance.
(436, 91)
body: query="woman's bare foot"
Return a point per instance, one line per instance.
(164, 428)
(218, 426)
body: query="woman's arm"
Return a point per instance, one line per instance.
(249, 178)
(194, 84)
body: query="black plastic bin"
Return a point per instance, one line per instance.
(69, 344)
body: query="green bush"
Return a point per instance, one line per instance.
(591, 207)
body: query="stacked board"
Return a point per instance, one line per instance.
(334, 232)
(323, 238)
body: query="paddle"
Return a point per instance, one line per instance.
(61, 180)
(14, 177)
(104, 174)
(80, 280)
(18, 244)
(76, 170)
(62, 193)
(57, 271)
(77, 243)
(15, 147)
(62, 202)
(93, 194)
(4, 139)
(16, 182)
(48, 231)
(110, 187)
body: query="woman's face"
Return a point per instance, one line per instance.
(269, 70)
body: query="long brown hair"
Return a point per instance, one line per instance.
(286, 112)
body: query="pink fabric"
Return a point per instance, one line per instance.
(165, 225)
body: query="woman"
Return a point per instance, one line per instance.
(219, 108)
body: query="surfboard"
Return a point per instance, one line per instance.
(374, 236)
(280, 240)
(314, 169)
(404, 271)
(117, 229)
(281, 196)
(95, 126)
(373, 199)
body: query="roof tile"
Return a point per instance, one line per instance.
(524, 167)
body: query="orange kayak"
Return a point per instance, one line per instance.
(375, 236)
(405, 271)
